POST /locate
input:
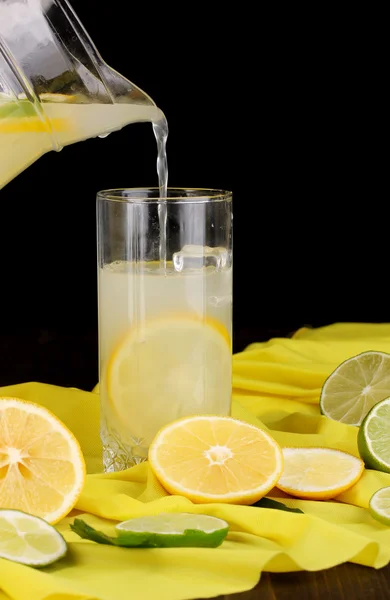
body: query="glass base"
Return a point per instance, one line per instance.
(118, 455)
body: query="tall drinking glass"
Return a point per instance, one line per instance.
(165, 313)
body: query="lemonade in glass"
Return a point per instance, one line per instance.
(165, 313)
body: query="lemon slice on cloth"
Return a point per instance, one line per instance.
(318, 473)
(42, 468)
(355, 386)
(29, 540)
(216, 459)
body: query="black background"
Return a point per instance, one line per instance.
(270, 106)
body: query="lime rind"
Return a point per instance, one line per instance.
(173, 523)
(27, 536)
(190, 538)
(174, 530)
(373, 437)
(355, 386)
(186, 538)
(379, 505)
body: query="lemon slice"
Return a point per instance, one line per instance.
(32, 125)
(29, 540)
(216, 459)
(355, 386)
(170, 368)
(59, 98)
(21, 116)
(318, 473)
(42, 468)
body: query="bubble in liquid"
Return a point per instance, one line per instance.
(218, 301)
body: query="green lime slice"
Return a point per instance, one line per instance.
(374, 437)
(29, 540)
(17, 109)
(166, 530)
(355, 386)
(174, 529)
(379, 505)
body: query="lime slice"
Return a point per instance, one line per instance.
(17, 109)
(22, 108)
(374, 437)
(160, 531)
(29, 540)
(355, 386)
(174, 529)
(379, 505)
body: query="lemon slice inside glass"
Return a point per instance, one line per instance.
(169, 368)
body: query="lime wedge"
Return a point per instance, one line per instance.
(379, 505)
(174, 529)
(20, 108)
(165, 530)
(355, 386)
(374, 437)
(29, 540)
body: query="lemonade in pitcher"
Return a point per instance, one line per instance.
(55, 88)
(27, 133)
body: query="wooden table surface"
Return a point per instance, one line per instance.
(70, 359)
(345, 582)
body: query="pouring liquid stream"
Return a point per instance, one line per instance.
(160, 129)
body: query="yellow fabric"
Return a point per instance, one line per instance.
(276, 386)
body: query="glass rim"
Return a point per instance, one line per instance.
(138, 195)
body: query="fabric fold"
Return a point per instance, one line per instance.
(277, 385)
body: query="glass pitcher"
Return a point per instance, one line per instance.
(55, 89)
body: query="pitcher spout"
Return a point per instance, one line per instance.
(55, 88)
